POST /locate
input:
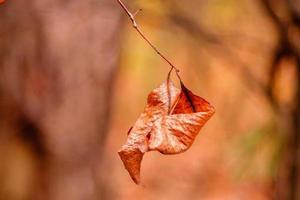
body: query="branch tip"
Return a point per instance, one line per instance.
(137, 12)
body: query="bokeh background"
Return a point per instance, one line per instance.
(74, 76)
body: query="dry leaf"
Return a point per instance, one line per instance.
(169, 124)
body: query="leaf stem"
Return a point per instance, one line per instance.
(136, 27)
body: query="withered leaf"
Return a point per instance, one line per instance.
(169, 124)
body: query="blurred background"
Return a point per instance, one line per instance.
(74, 76)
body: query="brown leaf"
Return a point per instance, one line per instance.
(169, 124)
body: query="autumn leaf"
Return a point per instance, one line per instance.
(169, 124)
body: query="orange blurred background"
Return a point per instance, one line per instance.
(77, 75)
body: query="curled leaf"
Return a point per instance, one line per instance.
(169, 124)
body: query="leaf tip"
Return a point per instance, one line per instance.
(211, 109)
(132, 159)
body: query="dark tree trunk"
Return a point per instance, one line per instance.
(57, 64)
(294, 146)
(287, 47)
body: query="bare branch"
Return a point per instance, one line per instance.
(135, 26)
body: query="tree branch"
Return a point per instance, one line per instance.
(135, 26)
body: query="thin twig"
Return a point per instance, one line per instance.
(137, 12)
(135, 26)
